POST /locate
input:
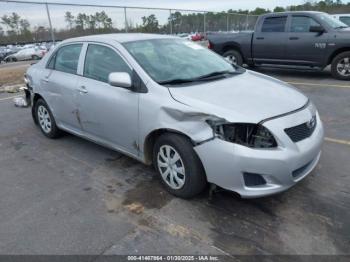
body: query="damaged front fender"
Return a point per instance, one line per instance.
(192, 123)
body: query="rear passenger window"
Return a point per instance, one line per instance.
(100, 61)
(51, 64)
(67, 58)
(274, 24)
(302, 24)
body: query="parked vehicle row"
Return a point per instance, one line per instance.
(304, 40)
(13, 53)
(34, 53)
(172, 103)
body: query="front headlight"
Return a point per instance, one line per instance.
(250, 135)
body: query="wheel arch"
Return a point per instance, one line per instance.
(151, 139)
(337, 52)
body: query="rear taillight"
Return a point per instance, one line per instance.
(209, 45)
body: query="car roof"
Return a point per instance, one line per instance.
(120, 37)
(293, 13)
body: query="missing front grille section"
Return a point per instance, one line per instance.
(301, 132)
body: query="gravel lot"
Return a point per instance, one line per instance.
(71, 196)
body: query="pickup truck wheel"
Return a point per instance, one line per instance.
(234, 57)
(46, 120)
(341, 66)
(178, 166)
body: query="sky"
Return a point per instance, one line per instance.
(210, 5)
(36, 14)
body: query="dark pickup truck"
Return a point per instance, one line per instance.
(304, 40)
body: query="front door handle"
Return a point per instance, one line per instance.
(46, 79)
(260, 38)
(82, 90)
(293, 38)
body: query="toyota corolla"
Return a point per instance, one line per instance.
(177, 105)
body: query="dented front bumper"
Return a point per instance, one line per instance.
(226, 163)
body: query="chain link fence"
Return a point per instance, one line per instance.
(26, 22)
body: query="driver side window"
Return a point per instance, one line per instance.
(100, 61)
(302, 24)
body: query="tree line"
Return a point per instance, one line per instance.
(14, 28)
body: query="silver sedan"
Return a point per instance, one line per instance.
(174, 104)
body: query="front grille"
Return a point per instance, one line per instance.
(301, 132)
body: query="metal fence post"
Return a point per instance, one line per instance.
(50, 24)
(246, 23)
(125, 21)
(170, 22)
(204, 23)
(227, 21)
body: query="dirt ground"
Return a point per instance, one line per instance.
(11, 74)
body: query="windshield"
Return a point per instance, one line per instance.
(332, 22)
(345, 20)
(166, 60)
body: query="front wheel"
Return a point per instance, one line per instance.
(341, 66)
(234, 57)
(178, 166)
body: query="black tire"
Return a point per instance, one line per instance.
(195, 179)
(234, 56)
(35, 57)
(53, 132)
(334, 67)
(14, 59)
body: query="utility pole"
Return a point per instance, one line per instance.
(50, 24)
(170, 22)
(126, 21)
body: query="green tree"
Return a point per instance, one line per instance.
(6, 20)
(80, 21)
(15, 20)
(69, 18)
(279, 9)
(150, 24)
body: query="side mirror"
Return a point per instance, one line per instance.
(317, 29)
(120, 79)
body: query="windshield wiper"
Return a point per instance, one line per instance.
(341, 27)
(176, 81)
(211, 76)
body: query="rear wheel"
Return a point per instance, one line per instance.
(178, 166)
(341, 66)
(35, 57)
(234, 57)
(46, 120)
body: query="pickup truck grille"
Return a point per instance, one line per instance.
(301, 132)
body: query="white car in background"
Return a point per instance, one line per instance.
(345, 18)
(34, 53)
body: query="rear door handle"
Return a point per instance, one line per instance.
(260, 38)
(46, 79)
(82, 90)
(294, 38)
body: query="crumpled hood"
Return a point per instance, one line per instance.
(249, 97)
